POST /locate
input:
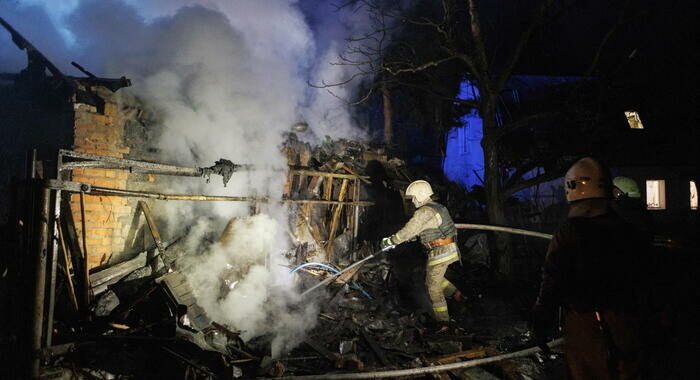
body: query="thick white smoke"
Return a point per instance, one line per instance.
(258, 296)
(228, 79)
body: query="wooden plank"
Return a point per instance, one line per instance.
(375, 348)
(328, 187)
(437, 375)
(287, 191)
(155, 233)
(187, 300)
(334, 222)
(469, 354)
(172, 279)
(312, 173)
(102, 279)
(181, 289)
(68, 264)
(352, 172)
(318, 347)
(476, 373)
(325, 202)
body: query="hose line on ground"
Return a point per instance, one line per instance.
(423, 370)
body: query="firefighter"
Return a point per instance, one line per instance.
(432, 223)
(590, 270)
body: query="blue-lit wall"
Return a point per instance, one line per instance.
(464, 158)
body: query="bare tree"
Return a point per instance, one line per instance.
(456, 41)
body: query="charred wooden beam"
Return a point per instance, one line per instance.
(42, 236)
(37, 64)
(33, 53)
(112, 84)
(153, 228)
(313, 173)
(336, 219)
(375, 348)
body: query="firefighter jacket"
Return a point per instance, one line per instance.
(431, 222)
(591, 262)
(592, 269)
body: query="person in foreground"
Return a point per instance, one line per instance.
(591, 272)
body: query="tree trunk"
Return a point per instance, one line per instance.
(503, 257)
(388, 126)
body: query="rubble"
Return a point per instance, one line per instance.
(145, 305)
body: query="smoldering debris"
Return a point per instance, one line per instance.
(228, 305)
(225, 168)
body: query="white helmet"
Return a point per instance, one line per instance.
(420, 189)
(585, 180)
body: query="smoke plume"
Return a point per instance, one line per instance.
(228, 79)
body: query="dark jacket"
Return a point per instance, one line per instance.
(592, 265)
(592, 262)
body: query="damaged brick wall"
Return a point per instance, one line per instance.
(114, 231)
(105, 216)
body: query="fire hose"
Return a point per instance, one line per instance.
(358, 264)
(353, 266)
(330, 268)
(432, 369)
(424, 370)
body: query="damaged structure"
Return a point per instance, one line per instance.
(106, 284)
(108, 298)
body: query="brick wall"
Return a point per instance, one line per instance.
(107, 218)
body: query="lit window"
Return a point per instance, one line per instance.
(634, 120)
(693, 196)
(656, 194)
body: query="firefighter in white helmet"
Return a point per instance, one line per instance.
(591, 271)
(433, 224)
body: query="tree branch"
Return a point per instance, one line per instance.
(466, 102)
(507, 192)
(477, 36)
(606, 38)
(422, 67)
(514, 57)
(519, 172)
(326, 85)
(524, 122)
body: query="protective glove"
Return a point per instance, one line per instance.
(386, 242)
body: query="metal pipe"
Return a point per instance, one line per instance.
(424, 370)
(42, 238)
(356, 215)
(105, 162)
(516, 231)
(86, 266)
(54, 265)
(212, 198)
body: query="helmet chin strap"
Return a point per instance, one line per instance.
(418, 204)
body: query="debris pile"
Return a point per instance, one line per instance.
(145, 310)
